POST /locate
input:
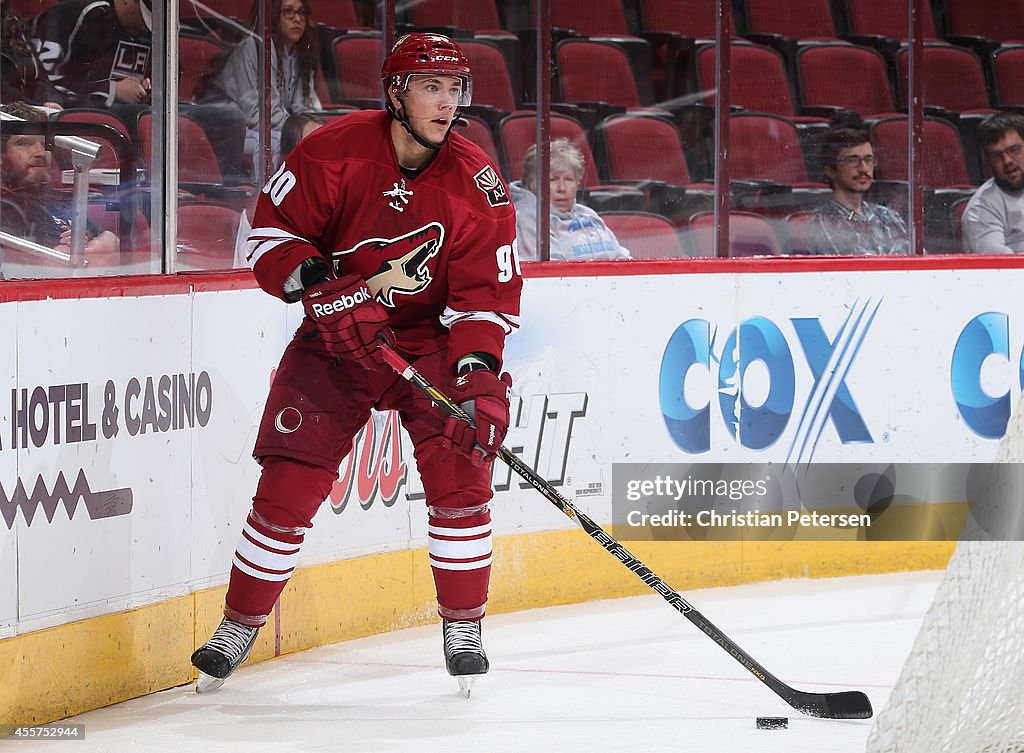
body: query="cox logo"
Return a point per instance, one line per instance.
(984, 336)
(757, 385)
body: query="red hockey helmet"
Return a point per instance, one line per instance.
(419, 54)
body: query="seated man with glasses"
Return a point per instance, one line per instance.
(993, 222)
(846, 224)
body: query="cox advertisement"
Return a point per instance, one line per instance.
(857, 367)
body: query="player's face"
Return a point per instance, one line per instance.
(293, 20)
(563, 187)
(1006, 158)
(854, 171)
(26, 162)
(430, 103)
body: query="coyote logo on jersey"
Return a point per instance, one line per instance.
(403, 267)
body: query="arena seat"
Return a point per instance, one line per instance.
(953, 79)
(479, 16)
(197, 161)
(845, 76)
(1008, 75)
(476, 130)
(29, 9)
(207, 15)
(642, 147)
(944, 165)
(767, 148)
(749, 235)
(597, 71)
(336, 14)
(356, 74)
(594, 18)
(110, 151)
(646, 235)
(645, 150)
(796, 232)
(999, 20)
(796, 19)
(195, 52)
(206, 235)
(492, 80)
(758, 82)
(886, 18)
(673, 27)
(695, 19)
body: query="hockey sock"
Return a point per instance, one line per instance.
(459, 542)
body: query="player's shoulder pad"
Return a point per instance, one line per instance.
(486, 186)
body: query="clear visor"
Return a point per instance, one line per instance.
(439, 89)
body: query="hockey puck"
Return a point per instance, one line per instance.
(772, 722)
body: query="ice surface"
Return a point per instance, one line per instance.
(620, 675)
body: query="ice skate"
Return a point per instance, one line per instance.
(222, 654)
(464, 653)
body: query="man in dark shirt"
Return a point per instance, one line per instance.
(31, 210)
(96, 52)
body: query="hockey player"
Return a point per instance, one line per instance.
(384, 224)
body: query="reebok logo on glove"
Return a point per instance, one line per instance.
(349, 319)
(341, 303)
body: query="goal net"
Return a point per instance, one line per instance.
(962, 687)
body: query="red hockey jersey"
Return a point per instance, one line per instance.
(439, 251)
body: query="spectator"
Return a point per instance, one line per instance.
(22, 77)
(295, 129)
(236, 77)
(577, 231)
(846, 223)
(993, 222)
(97, 52)
(31, 209)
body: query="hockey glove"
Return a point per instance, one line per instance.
(485, 397)
(349, 319)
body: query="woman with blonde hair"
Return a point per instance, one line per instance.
(577, 232)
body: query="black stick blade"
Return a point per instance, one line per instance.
(849, 704)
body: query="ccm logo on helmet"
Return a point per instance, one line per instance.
(345, 302)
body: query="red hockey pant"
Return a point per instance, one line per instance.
(316, 407)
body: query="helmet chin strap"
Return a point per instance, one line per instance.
(404, 121)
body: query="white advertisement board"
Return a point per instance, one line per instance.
(126, 424)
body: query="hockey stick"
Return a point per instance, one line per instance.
(849, 704)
